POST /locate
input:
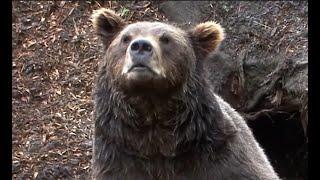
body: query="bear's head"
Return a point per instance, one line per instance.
(153, 57)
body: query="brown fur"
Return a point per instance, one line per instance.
(169, 125)
(207, 37)
(107, 30)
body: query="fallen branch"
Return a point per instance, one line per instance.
(266, 112)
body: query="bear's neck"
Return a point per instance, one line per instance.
(150, 126)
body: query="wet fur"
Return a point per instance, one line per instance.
(183, 132)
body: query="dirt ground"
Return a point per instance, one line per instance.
(55, 58)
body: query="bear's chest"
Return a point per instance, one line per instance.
(185, 168)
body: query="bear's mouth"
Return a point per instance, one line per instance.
(139, 67)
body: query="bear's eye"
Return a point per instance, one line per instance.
(126, 38)
(164, 39)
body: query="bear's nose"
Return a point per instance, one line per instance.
(140, 48)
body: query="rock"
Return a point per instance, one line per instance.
(74, 161)
(15, 166)
(55, 172)
(87, 144)
(188, 12)
(52, 145)
(34, 146)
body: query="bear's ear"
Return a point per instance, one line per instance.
(206, 37)
(107, 24)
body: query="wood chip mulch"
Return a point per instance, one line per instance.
(55, 59)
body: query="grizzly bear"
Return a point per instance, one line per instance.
(156, 115)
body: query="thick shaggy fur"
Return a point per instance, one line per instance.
(184, 132)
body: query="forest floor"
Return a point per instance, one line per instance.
(54, 62)
(55, 57)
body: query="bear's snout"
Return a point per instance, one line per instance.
(140, 50)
